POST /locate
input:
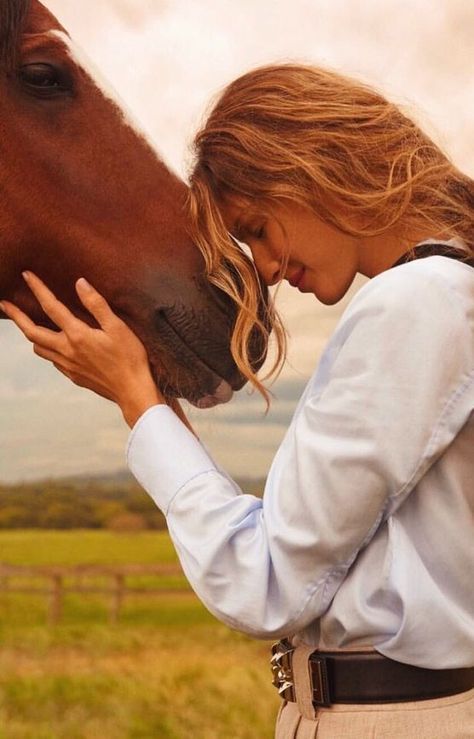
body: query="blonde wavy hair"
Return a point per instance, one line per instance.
(297, 133)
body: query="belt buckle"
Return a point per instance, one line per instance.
(319, 680)
(281, 662)
(282, 670)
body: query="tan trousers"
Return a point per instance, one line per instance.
(442, 718)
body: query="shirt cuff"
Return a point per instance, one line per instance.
(163, 454)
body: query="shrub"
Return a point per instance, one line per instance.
(127, 522)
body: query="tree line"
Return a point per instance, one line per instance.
(85, 503)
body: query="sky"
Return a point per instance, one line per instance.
(168, 59)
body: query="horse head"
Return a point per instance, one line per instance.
(84, 193)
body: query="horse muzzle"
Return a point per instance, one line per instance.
(186, 326)
(222, 394)
(195, 357)
(194, 361)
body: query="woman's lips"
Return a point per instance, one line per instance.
(296, 279)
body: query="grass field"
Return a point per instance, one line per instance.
(168, 669)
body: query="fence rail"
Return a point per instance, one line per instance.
(60, 581)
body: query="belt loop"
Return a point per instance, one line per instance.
(302, 680)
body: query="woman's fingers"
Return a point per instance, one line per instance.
(82, 381)
(110, 360)
(96, 304)
(53, 307)
(63, 366)
(34, 333)
(58, 359)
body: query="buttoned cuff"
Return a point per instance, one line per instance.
(163, 454)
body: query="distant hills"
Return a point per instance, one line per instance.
(109, 500)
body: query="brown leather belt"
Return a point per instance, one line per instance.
(365, 677)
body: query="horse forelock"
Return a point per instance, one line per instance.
(12, 18)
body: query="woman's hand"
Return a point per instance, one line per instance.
(111, 360)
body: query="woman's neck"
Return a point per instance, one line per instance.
(378, 253)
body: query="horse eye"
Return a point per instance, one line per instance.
(43, 78)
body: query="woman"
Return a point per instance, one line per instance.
(361, 550)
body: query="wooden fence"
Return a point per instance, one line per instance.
(56, 582)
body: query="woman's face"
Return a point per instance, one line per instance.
(290, 242)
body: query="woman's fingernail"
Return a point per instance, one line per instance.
(83, 283)
(26, 275)
(2, 306)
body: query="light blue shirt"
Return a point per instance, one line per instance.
(364, 535)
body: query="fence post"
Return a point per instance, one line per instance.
(117, 598)
(4, 587)
(56, 602)
(58, 583)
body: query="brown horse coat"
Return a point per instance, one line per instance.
(84, 194)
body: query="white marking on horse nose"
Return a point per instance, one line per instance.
(222, 394)
(107, 89)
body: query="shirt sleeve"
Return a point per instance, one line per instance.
(399, 370)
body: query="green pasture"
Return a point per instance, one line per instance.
(168, 669)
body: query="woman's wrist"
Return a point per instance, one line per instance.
(133, 412)
(139, 397)
(135, 402)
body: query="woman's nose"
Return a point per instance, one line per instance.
(269, 270)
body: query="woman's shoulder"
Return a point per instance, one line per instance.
(432, 298)
(417, 317)
(418, 288)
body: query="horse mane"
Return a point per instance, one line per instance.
(12, 16)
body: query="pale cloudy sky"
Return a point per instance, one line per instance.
(168, 58)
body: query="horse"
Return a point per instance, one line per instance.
(84, 193)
